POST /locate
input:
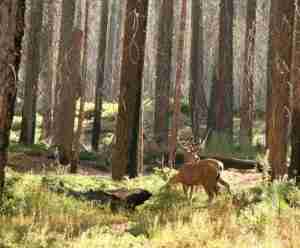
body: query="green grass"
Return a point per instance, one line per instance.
(33, 215)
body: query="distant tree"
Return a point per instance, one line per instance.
(100, 75)
(47, 75)
(12, 31)
(294, 168)
(66, 85)
(221, 108)
(246, 111)
(281, 44)
(197, 94)
(124, 157)
(163, 74)
(32, 70)
(83, 5)
(178, 83)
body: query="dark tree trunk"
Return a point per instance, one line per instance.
(100, 76)
(66, 89)
(127, 131)
(12, 31)
(47, 70)
(246, 111)
(163, 74)
(197, 94)
(294, 169)
(179, 81)
(222, 107)
(32, 73)
(281, 44)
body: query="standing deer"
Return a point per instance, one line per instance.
(202, 172)
(194, 172)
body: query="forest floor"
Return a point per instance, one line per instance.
(34, 214)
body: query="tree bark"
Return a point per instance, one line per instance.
(247, 107)
(32, 71)
(65, 89)
(127, 131)
(82, 67)
(294, 168)
(47, 70)
(281, 41)
(179, 81)
(12, 31)
(197, 96)
(100, 75)
(163, 74)
(222, 107)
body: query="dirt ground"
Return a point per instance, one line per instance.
(42, 165)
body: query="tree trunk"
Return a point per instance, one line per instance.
(247, 108)
(100, 75)
(47, 70)
(222, 107)
(197, 96)
(12, 31)
(127, 131)
(281, 41)
(179, 81)
(82, 83)
(294, 169)
(32, 71)
(66, 91)
(163, 74)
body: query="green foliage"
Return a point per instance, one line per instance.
(88, 156)
(37, 213)
(36, 149)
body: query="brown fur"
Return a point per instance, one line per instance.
(205, 172)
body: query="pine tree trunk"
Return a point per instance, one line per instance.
(100, 75)
(163, 74)
(47, 70)
(197, 96)
(281, 41)
(247, 108)
(12, 31)
(294, 168)
(66, 92)
(178, 83)
(124, 157)
(222, 107)
(32, 73)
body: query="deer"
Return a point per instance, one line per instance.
(204, 172)
(194, 172)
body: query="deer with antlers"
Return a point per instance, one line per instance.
(194, 172)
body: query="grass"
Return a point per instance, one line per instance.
(33, 215)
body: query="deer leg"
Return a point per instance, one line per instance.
(185, 190)
(191, 191)
(225, 184)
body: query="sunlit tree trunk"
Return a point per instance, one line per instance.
(11, 34)
(47, 69)
(32, 70)
(100, 75)
(66, 87)
(124, 157)
(281, 44)
(178, 83)
(247, 107)
(294, 169)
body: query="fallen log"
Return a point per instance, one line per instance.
(235, 163)
(117, 199)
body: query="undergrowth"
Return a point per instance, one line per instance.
(36, 213)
